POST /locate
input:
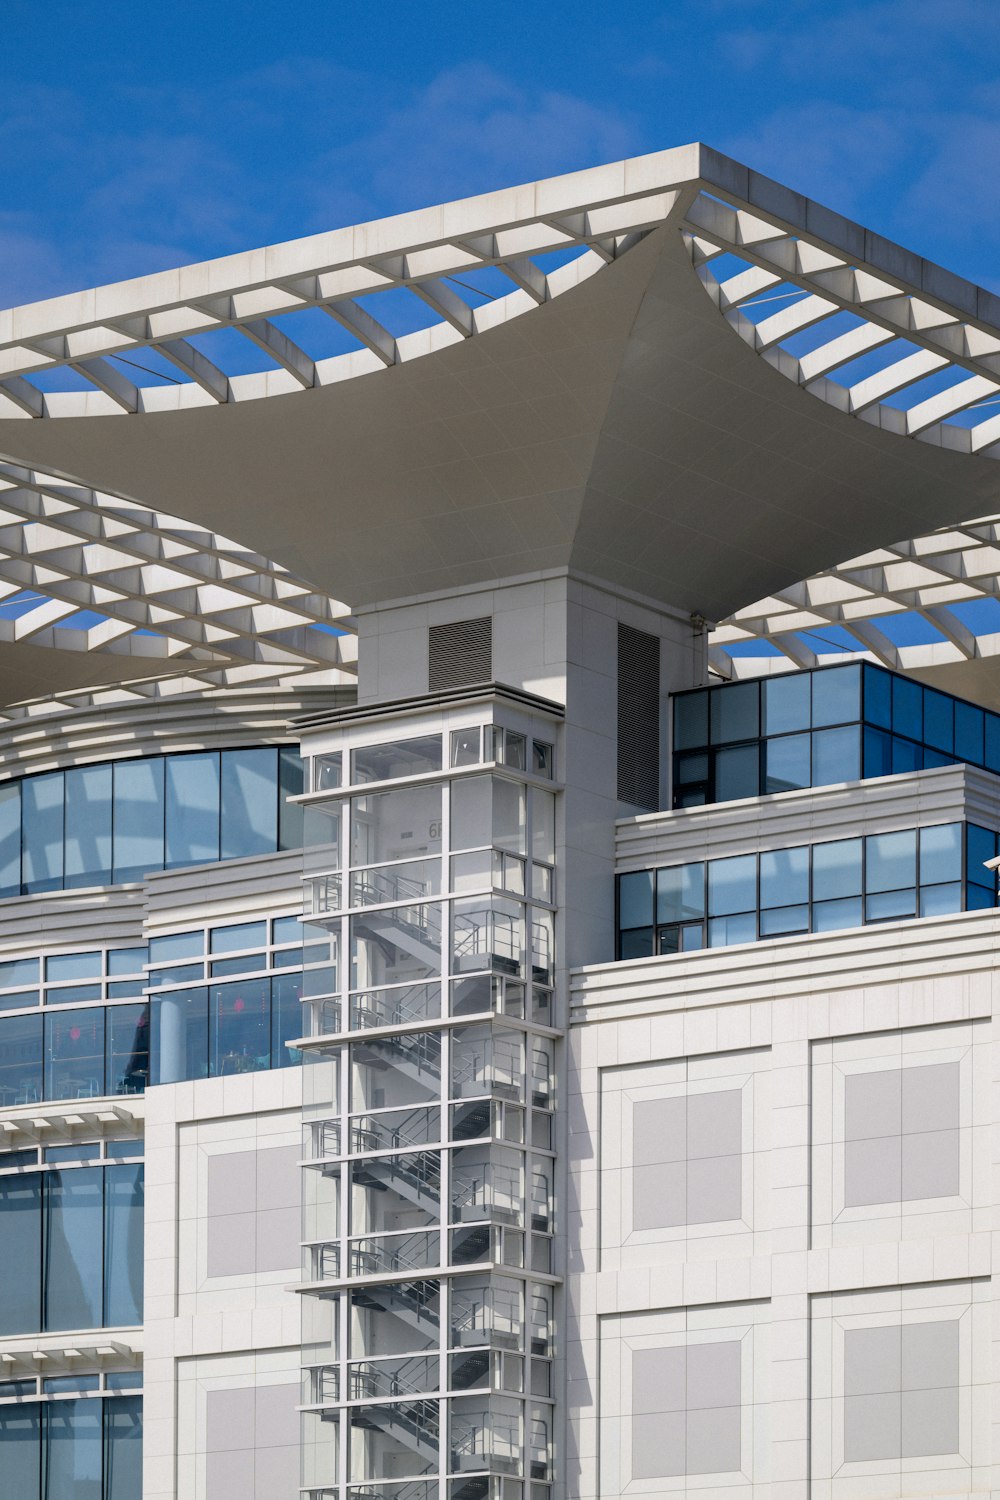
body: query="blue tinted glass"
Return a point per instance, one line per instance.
(786, 703)
(635, 899)
(992, 747)
(18, 999)
(290, 784)
(20, 1444)
(890, 861)
(939, 721)
(220, 968)
(938, 900)
(21, 1255)
(690, 798)
(836, 756)
(936, 758)
(127, 1029)
(637, 942)
(179, 974)
(836, 696)
(66, 993)
(907, 708)
(57, 1383)
(786, 763)
(74, 1241)
(123, 1195)
(286, 930)
(969, 733)
(74, 1054)
(10, 839)
(177, 945)
(125, 989)
(73, 1449)
(722, 931)
(179, 1036)
(22, 972)
(192, 810)
(239, 1027)
(737, 773)
(20, 1059)
(836, 869)
(735, 712)
(123, 1440)
(88, 826)
(240, 936)
(878, 697)
(42, 832)
(885, 905)
(287, 1021)
(906, 756)
(680, 893)
(941, 853)
(690, 768)
(126, 960)
(73, 966)
(690, 720)
(138, 818)
(123, 1380)
(118, 1150)
(732, 885)
(832, 916)
(784, 877)
(249, 802)
(782, 919)
(978, 898)
(878, 753)
(85, 1151)
(981, 845)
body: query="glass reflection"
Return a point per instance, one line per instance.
(74, 1236)
(74, 1054)
(239, 1027)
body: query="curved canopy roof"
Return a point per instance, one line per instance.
(541, 377)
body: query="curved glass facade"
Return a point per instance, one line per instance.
(119, 820)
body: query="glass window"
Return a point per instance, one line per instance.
(127, 1040)
(19, 972)
(249, 803)
(737, 772)
(680, 893)
(541, 758)
(397, 825)
(509, 817)
(239, 1027)
(471, 812)
(784, 877)
(907, 708)
(291, 777)
(939, 721)
(397, 758)
(939, 900)
(326, 772)
(941, 853)
(192, 810)
(42, 832)
(179, 1035)
(883, 906)
(127, 960)
(123, 1218)
(82, 1151)
(784, 919)
(689, 769)
(74, 1054)
(20, 1444)
(287, 1020)
(21, 1255)
(175, 946)
(465, 746)
(786, 703)
(735, 712)
(906, 756)
(73, 966)
(123, 1446)
(836, 696)
(878, 697)
(969, 733)
(981, 845)
(992, 745)
(691, 720)
(515, 751)
(88, 826)
(10, 838)
(978, 898)
(20, 1060)
(287, 930)
(239, 936)
(836, 756)
(681, 938)
(138, 818)
(786, 762)
(635, 898)
(543, 825)
(74, 1245)
(636, 943)
(890, 861)
(732, 886)
(73, 1448)
(878, 753)
(836, 869)
(832, 916)
(722, 931)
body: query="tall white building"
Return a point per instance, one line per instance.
(523, 1032)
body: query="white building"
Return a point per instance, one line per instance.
(523, 1032)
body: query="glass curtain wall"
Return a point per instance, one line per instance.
(429, 1176)
(747, 898)
(85, 1446)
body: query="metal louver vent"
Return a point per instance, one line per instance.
(638, 718)
(460, 653)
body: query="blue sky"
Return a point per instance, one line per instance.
(138, 137)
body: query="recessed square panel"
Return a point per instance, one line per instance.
(929, 1355)
(714, 1124)
(930, 1097)
(714, 1189)
(659, 1379)
(659, 1130)
(658, 1446)
(872, 1361)
(872, 1104)
(713, 1441)
(872, 1171)
(659, 1196)
(930, 1165)
(871, 1427)
(929, 1423)
(713, 1375)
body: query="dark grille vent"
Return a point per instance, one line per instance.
(638, 718)
(460, 653)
